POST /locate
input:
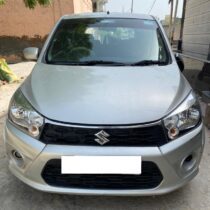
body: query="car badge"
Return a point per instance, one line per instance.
(102, 137)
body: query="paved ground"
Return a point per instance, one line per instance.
(18, 196)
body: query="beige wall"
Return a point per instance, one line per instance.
(17, 20)
(176, 32)
(82, 6)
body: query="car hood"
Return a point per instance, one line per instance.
(105, 95)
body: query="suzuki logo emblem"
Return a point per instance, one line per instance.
(102, 137)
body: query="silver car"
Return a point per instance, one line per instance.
(105, 111)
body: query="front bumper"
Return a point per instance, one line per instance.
(169, 159)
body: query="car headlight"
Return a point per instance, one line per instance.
(22, 114)
(184, 118)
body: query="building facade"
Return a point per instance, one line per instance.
(165, 24)
(196, 34)
(99, 5)
(196, 43)
(17, 20)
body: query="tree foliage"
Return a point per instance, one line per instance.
(31, 4)
(2, 2)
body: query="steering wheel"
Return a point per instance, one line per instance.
(71, 51)
(84, 50)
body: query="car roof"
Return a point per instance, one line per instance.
(109, 15)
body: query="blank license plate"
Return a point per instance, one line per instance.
(101, 165)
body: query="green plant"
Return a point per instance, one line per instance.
(2, 2)
(31, 4)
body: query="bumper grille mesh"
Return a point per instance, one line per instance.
(150, 178)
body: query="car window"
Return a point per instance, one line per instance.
(115, 40)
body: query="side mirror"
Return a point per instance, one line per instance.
(31, 53)
(179, 61)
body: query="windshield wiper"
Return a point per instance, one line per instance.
(148, 63)
(101, 62)
(88, 63)
(110, 63)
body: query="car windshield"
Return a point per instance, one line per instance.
(107, 41)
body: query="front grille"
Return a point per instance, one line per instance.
(134, 136)
(150, 178)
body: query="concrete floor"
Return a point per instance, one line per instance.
(16, 195)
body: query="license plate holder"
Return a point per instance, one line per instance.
(101, 165)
